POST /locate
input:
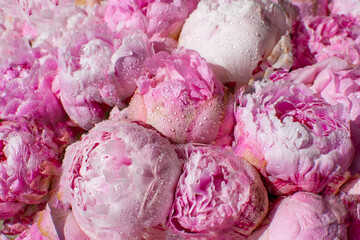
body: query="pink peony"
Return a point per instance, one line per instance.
(337, 82)
(30, 155)
(219, 196)
(304, 216)
(320, 37)
(94, 76)
(293, 137)
(181, 98)
(120, 180)
(234, 36)
(84, 58)
(26, 77)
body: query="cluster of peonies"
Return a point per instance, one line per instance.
(180, 119)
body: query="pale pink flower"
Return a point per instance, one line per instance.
(304, 216)
(293, 137)
(94, 75)
(181, 97)
(123, 175)
(337, 82)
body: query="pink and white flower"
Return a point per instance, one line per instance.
(26, 78)
(218, 194)
(123, 175)
(30, 160)
(181, 97)
(304, 216)
(293, 137)
(319, 37)
(337, 82)
(94, 75)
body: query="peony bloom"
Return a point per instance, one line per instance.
(293, 137)
(123, 175)
(26, 77)
(158, 19)
(234, 36)
(30, 154)
(218, 194)
(84, 58)
(337, 82)
(350, 195)
(94, 76)
(304, 216)
(320, 37)
(181, 97)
